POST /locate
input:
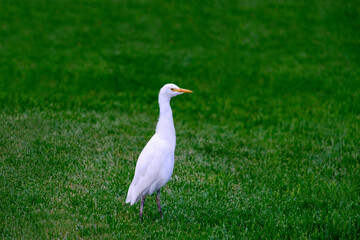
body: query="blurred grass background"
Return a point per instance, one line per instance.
(268, 144)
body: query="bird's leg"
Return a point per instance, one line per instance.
(158, 203)
(142, 206)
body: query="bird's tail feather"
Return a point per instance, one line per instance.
(134, 197)
(129, 195)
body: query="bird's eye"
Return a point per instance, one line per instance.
(172, 89)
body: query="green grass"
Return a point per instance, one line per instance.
(268, 145)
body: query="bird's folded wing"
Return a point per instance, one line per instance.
(148, 167)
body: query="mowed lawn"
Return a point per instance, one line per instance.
(268, 145)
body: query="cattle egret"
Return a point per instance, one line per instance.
(156, 161)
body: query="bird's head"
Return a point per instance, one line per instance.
(171, 90)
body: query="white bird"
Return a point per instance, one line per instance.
(156, 161)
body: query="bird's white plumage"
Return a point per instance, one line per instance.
(153, 169)
(156, 161)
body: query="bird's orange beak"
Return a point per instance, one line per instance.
(182, 90)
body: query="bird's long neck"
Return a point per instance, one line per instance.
(165, 126)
